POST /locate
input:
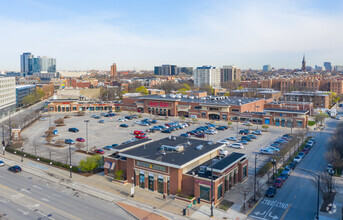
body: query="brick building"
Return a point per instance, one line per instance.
(318, 98)
(178, 165)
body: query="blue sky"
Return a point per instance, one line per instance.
(86, 34)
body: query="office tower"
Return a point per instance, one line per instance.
(206, 75)
(327, 66)
(185, 70)
(303, 67)
(166, 70)
(266, 68)
(7, 96)
(44, 64)
(230, 73)
(339, 68)
(114, 72)
(26, 63)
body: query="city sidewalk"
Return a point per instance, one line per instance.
(101, 186)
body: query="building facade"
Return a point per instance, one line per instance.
(114, 72)
(327, 66)
(178, 165)
(206, 75)
(229, 73)
(43, 64)
(22, 91)
(26, 63)
(318, 98)
(266, 68)
(166, 70)
(7, 96)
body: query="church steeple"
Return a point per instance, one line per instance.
(303, 67)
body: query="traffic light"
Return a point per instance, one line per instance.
(198, 200)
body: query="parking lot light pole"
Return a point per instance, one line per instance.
(70, 161)
(317, 177)
(86, 133)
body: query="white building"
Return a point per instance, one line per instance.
(339, 68)
(7, 96)
(206, 75)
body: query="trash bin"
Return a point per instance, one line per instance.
(55, 132)
(194, 201)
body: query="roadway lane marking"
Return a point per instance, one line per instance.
(17, 196)
(284, 214)
(37, 187)
(47, 205)
(25, 190)
(23, 212)
(46, 200)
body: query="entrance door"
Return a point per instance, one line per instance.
(160, 185)
(282, 122)
(142, 180)
(267, 121)
(151, 183)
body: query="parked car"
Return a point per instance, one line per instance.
(69, 141)
(297, 159)
(99, 151)
(134, 116)
(137, 132)
(97, 117)
(223, 152)
(114, 145)
(124, 126)
(128, 117)
(43, 119)
(305, 150)
(310, 142)
(276, 145)
(287, 170)
(257, 132)
(231, 139)
(201, 135)
(212, 132)
(271, 191)
(244, 132)
(15, 169)
(243, 142)
(110, 115)
(101, 121)
(236, 145)
(266, 151)
(287, 135)
(252, 136)
(153, 121)
(283, 176)
(80, 139)
(278, 183)
(272, 148)
(107, 148)
(292, 165)
(2, 163)
(166, 131)
(73, 130)
(301, 154)
(221, 128)
(223, 142)
(246, 138)
(184, 135)
(122, 119)
(103, 114)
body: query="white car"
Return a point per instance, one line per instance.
(43, 119)
(266, 151)
(223, 142)
(133, 139)
(237, 145)
(211, 132)
(122, 119)
(297, 159)
(2, 163)
(138, 122)
(247, 123)
(223, 152)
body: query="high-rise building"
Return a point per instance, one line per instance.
(166, 70)
(44, 64)
(230, 73)
(327, 66)
(185, 70)
(303, 67)
(206, 75)
(266, 68)
(339, 68)
(114, 72)
(26, 63)
(7, 96)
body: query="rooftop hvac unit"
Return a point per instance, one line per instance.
(174, 138)
(178, 148)
(203, 168)
(199, 147)
(188, 143)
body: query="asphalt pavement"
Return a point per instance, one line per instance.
(25, 196)
(297, 198)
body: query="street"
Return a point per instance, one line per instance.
(24, 196)
(297, 198)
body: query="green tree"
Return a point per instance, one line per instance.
(265, 127)
(39, 94)
(227, 94)
(207, 88)
(29, 99)
(186, 86)
(142, 90)
(320, 118)
(90, 163)
(182, 91)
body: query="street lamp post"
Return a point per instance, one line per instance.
(22, 154)
(317, 177)
(70, 161)
(86, 133)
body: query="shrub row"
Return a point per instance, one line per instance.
(75, 169)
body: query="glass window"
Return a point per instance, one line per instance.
(220, 191)
(224, 116)
(160, 185)
(299, 124)
(245, 173)
(205, 193)
(151, 183)
(142, 180)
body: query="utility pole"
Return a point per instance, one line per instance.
(86, 133)
(70, 161)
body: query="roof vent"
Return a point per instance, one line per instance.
(174, 138)
(200, 147)
(169, 137)
(188, 143)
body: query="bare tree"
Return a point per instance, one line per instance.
(327, 189)
(79, 146)
(36, 145)
(59, 143)
(245, 189)
(80, 113)
(48, 136)
(50, 151)
(59, 122)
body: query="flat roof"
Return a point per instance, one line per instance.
(123, 147)
(24, 86)
(227, 161)
(286, 110)
(213, 100)
(151, 152)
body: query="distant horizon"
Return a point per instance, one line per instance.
(143, 34)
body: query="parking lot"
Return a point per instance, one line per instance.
(109, 132)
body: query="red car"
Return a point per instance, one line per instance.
(80, 139)
(99, 151)
(201, 135)
(278, 183)
(305, 150)
(141, 136)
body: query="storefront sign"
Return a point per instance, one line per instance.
(161, 104)
(65, 102)
(151, 166)
(202, 182)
